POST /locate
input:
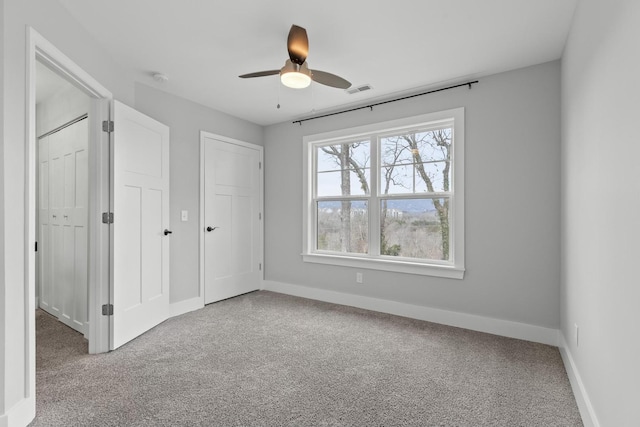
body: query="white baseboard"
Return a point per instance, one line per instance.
(185, 306)
(587, 412)
(473, 322)
(19, 415)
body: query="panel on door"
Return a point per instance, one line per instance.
(232, 219)
(140, 247)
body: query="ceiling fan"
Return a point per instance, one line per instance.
(296, 73)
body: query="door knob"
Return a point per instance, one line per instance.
(210, 229)
(166, 232)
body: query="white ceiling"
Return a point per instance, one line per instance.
(396, 46)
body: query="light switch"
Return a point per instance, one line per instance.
(184, 216)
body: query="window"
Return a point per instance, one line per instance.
(388, 196)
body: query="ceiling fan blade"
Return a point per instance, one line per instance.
(329, 79)
(260, 74)
(298, 44)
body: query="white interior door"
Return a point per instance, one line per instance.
(63, 222)
(232, 219)
(140, 247)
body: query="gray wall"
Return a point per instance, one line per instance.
(601, 205)
(512, 202)
(4, 338)
(186, 119)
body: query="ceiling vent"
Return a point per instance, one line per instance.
(358, 89)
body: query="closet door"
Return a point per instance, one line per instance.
(74, 219)
(56, 248)
(44, 229)
(64, 255)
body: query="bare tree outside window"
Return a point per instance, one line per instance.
(414, 185)
(416, 163)
(343, 223)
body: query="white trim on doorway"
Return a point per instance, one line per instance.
(40, 49)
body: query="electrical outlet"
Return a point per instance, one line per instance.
(184, 216)
(358, 277)
(577, 334)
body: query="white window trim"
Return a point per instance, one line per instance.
(454, 270)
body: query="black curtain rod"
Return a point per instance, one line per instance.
(386, 102)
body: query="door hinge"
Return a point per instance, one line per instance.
(107, 126)
(260, 215)
(259, 165)
(107, 217)
(107, 310)
(260, 266)
(36, 246)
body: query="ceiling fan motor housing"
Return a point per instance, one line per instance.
(295, 76)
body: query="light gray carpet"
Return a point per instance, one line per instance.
(265, 359)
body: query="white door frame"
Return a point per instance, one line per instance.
(202, 225)
(38, 48)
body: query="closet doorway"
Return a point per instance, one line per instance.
(62, 279)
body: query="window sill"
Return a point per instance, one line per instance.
(449, 272)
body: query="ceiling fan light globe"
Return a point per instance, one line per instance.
(295, 79)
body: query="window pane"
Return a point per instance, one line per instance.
(343, 226)
(415, 228)
(330, 157)
(397, 179)
(433, 145)
(416, 162)
(438, 174)
(343, 169)
(415, 178)
(330, 183)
